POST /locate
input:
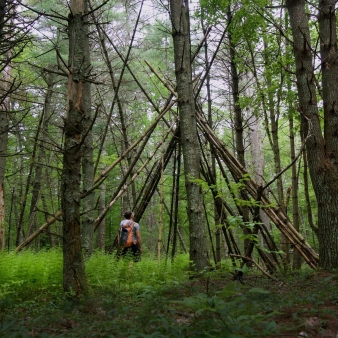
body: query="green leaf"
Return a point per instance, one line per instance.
(229, 290)
(258, 290)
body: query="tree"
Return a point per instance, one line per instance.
(238, 119)
(87, 228)
(322, 145)
(179, 15)
(74, 275)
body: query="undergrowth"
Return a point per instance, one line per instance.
(151, 299)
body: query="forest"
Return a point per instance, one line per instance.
(213, 121)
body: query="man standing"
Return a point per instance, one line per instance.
(136, 247)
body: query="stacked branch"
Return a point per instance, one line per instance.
(150, 184)
(271, 261)
(118, 193)
(239, 173)
(154, 178)
(275, 214)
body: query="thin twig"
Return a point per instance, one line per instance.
(257, 265)
(292, 162)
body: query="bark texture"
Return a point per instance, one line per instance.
(74, 275)
(87, 220)
(190, 146)
(322, 146)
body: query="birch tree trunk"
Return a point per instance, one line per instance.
(74, 275)
(322, 150)
(190, 145)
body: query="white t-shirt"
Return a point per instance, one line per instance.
(136, 227)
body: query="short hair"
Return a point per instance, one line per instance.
(128, 214)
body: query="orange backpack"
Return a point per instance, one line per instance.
(126, 235)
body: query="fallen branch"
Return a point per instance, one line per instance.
(247, 259)
(38, 232)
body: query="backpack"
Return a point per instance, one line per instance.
(126, 235)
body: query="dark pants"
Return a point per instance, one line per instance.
(132, 251)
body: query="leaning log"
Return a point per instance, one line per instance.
(275, 214)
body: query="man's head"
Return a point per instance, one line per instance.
(128, 214)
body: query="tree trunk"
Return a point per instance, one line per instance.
(322, 152)
(101, 230)
(4, 124)
(257, 154)
(238, 119)
(295, 207)
(41, 154)
(87, 220)
(306, 189)
(274, 143)
(19, 182)
(190, 145)
(74, 275)
(212, 160)
(176, 177)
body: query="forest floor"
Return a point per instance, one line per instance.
(299, 304)
(309, 307)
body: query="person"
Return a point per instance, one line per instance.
(136, 247)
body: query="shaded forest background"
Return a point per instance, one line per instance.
(246, 80)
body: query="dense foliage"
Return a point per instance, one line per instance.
(148, 299)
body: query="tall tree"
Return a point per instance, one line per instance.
(87, 228)
(74, 275)
(322, 145)
(238, 118)
(179, 14)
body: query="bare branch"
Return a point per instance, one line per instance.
(43, 13)
(95, 9)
